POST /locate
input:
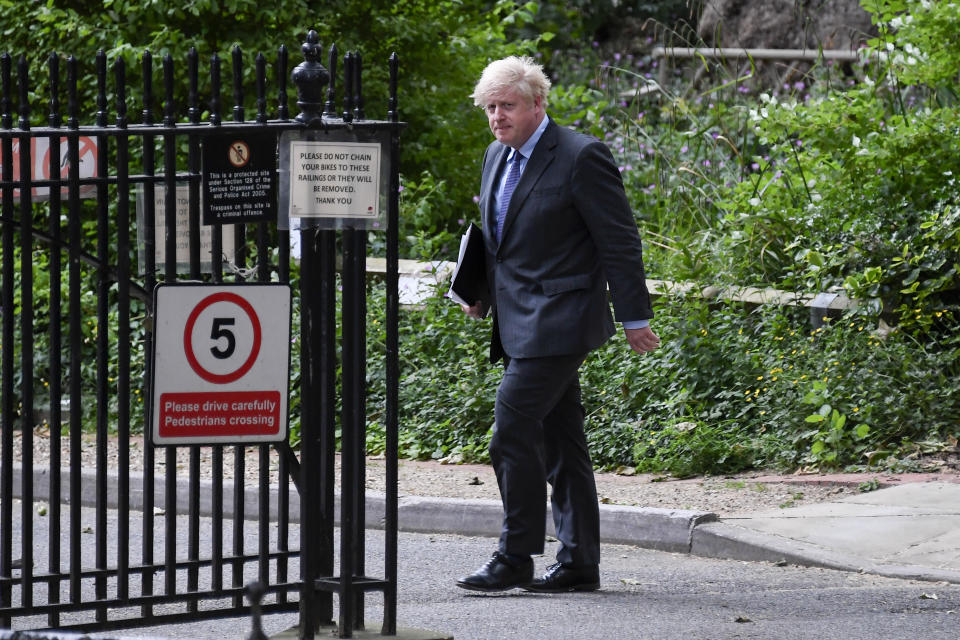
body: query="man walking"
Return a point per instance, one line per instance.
(558, 231)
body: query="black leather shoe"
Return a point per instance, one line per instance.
(498, 575)
(560, 578)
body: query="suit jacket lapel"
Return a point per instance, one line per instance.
(538, 162)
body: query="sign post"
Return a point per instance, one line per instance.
(220, 364)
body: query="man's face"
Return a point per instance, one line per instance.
(513, 119)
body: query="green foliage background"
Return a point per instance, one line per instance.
(840, 180)
(837, 180)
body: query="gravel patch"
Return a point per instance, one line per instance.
(725, 496)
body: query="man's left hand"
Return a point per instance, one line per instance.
(642, 340)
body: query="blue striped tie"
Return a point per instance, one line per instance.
(512, 178)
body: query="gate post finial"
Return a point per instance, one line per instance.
(310, 77)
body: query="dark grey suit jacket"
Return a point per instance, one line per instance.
(569, 232)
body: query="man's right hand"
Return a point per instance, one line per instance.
(476, 311)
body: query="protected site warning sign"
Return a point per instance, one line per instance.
(221, 363)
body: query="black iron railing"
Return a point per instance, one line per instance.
(79, 205)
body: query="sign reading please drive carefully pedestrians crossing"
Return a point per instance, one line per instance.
(221, 362)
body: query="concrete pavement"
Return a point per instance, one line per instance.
(907, 531)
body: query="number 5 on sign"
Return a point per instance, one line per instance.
(221, 363)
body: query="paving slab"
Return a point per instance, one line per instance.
(908, 531)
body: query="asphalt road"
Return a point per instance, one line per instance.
(644, 595)
(648, 595)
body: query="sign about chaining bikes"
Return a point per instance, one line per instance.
(333, 179)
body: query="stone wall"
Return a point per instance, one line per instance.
(785, 24)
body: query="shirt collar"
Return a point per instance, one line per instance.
(527, 148)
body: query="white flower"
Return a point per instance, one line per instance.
(856, 141)
(754, 202)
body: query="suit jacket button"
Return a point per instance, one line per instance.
(499, 259)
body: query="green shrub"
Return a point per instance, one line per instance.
(731, 388)
(691, 449)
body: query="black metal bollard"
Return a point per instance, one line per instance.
(255, 592)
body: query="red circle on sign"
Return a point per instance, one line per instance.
(209, 376)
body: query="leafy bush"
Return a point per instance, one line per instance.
(829, 184)
(730, 388)
(839, 182)
(442, 47)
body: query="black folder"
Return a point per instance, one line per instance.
(469, 281)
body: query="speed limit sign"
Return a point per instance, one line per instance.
(221, 363)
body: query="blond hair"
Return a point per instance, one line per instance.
(515, 73)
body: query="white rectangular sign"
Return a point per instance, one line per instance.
(183, 232)
(334, 179)
(221, 364)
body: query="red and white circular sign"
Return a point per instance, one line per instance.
(222, 338)
(221, 363)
